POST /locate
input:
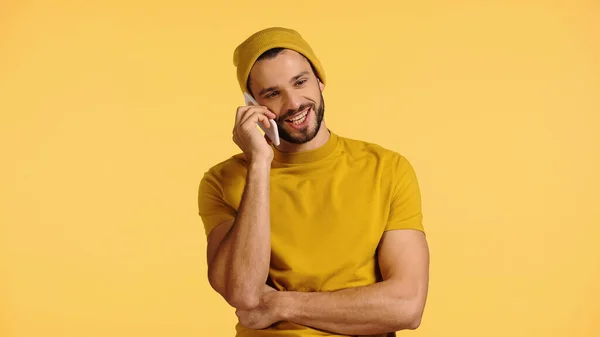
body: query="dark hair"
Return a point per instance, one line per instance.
(269, 54)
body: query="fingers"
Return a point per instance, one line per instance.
(269, 141)
(239, 113)
(244, 131)
(256, 117)
(253, 115)
(244, 111)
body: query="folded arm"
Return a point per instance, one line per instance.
(395, 304)
(239, 250)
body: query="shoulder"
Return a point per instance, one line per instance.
(226, 171)
(358, 148)
(395, 167)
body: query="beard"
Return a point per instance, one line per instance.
(310, 131)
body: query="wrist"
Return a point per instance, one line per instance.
(285, 305)
(259, 163)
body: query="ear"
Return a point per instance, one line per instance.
(321, 85)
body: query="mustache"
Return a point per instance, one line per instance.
(290, 112)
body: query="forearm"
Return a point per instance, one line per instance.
(373, 309)
(243, 256)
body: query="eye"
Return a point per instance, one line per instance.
(301, 82)
(272, 94)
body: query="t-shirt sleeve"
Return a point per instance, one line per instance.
(212, 208)
(405, 206)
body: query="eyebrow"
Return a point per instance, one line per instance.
(294, 79)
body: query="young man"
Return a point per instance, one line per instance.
(322, 234)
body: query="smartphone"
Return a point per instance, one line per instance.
(271, 132)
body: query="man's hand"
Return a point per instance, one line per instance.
(247, 136)
(263, 316)
(394, 304)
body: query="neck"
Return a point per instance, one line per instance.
(320, 139)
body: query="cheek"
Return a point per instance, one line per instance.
(274, 108)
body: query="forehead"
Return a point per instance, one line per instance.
(281, 68)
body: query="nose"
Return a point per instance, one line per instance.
(292, 101)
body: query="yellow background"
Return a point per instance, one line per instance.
(111, 112)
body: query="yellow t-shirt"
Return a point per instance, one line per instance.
(329, 209)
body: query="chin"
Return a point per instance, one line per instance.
(305, 134)
(302, 136)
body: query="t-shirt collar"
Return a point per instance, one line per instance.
(307, 156)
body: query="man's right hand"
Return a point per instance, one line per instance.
(248, 137)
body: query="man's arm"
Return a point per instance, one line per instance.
(396, 303)
(238, 251)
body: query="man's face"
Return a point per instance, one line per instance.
(288, 86)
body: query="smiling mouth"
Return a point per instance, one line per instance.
(298, 118)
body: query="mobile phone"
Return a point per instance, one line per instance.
(271, 132)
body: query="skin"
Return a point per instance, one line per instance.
(397, 303)
(287, 86)
(239, 250)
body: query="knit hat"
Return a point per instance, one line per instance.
(248, 51)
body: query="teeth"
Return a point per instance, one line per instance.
(300, 116)
(301, 120)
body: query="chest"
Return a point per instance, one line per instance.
(327, 215)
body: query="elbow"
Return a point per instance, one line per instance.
(242, 301)
(409, 322)
(409, 318)
(413, 322)
(238, 298)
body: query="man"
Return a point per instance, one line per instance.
(322, 234)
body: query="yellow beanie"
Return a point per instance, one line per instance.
(248, 51)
